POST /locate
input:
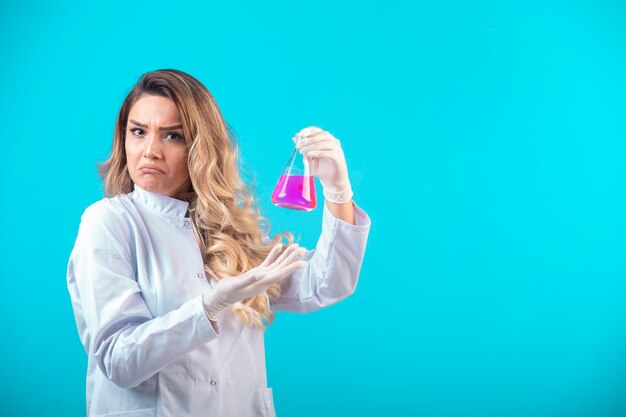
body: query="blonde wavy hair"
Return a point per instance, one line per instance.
(226, 220)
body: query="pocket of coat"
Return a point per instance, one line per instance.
(268, 399)
(145, 412)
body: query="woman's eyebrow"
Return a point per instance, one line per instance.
(161, 128)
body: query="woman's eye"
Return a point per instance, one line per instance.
(176, 136)
(133, 130)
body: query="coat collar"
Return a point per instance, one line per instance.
(159, 202)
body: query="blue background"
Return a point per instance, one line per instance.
(485, 139)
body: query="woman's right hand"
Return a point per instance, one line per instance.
(272, 270)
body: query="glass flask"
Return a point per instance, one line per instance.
(296, 186)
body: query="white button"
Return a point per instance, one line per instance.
(200, 275)
(213, 382)
(187, 224)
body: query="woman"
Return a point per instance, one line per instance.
(173, 279)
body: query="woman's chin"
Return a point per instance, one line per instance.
(150, 184)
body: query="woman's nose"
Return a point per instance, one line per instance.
(153, 148)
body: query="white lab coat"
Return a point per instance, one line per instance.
(135, 277)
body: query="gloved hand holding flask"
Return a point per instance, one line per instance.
(327, 162)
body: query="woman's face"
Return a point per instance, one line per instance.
(155, 147)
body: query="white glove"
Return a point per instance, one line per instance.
(273, 269)
(327, 162)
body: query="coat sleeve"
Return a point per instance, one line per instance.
(333, 266)
(114, 322)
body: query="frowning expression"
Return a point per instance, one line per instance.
(156, 151)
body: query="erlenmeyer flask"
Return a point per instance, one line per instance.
(296, 186)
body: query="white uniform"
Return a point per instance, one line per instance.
(135, 277)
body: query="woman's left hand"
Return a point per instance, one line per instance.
(326, 161)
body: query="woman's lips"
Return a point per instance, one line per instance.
(151, 170)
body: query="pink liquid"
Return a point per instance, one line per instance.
(292, 191)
